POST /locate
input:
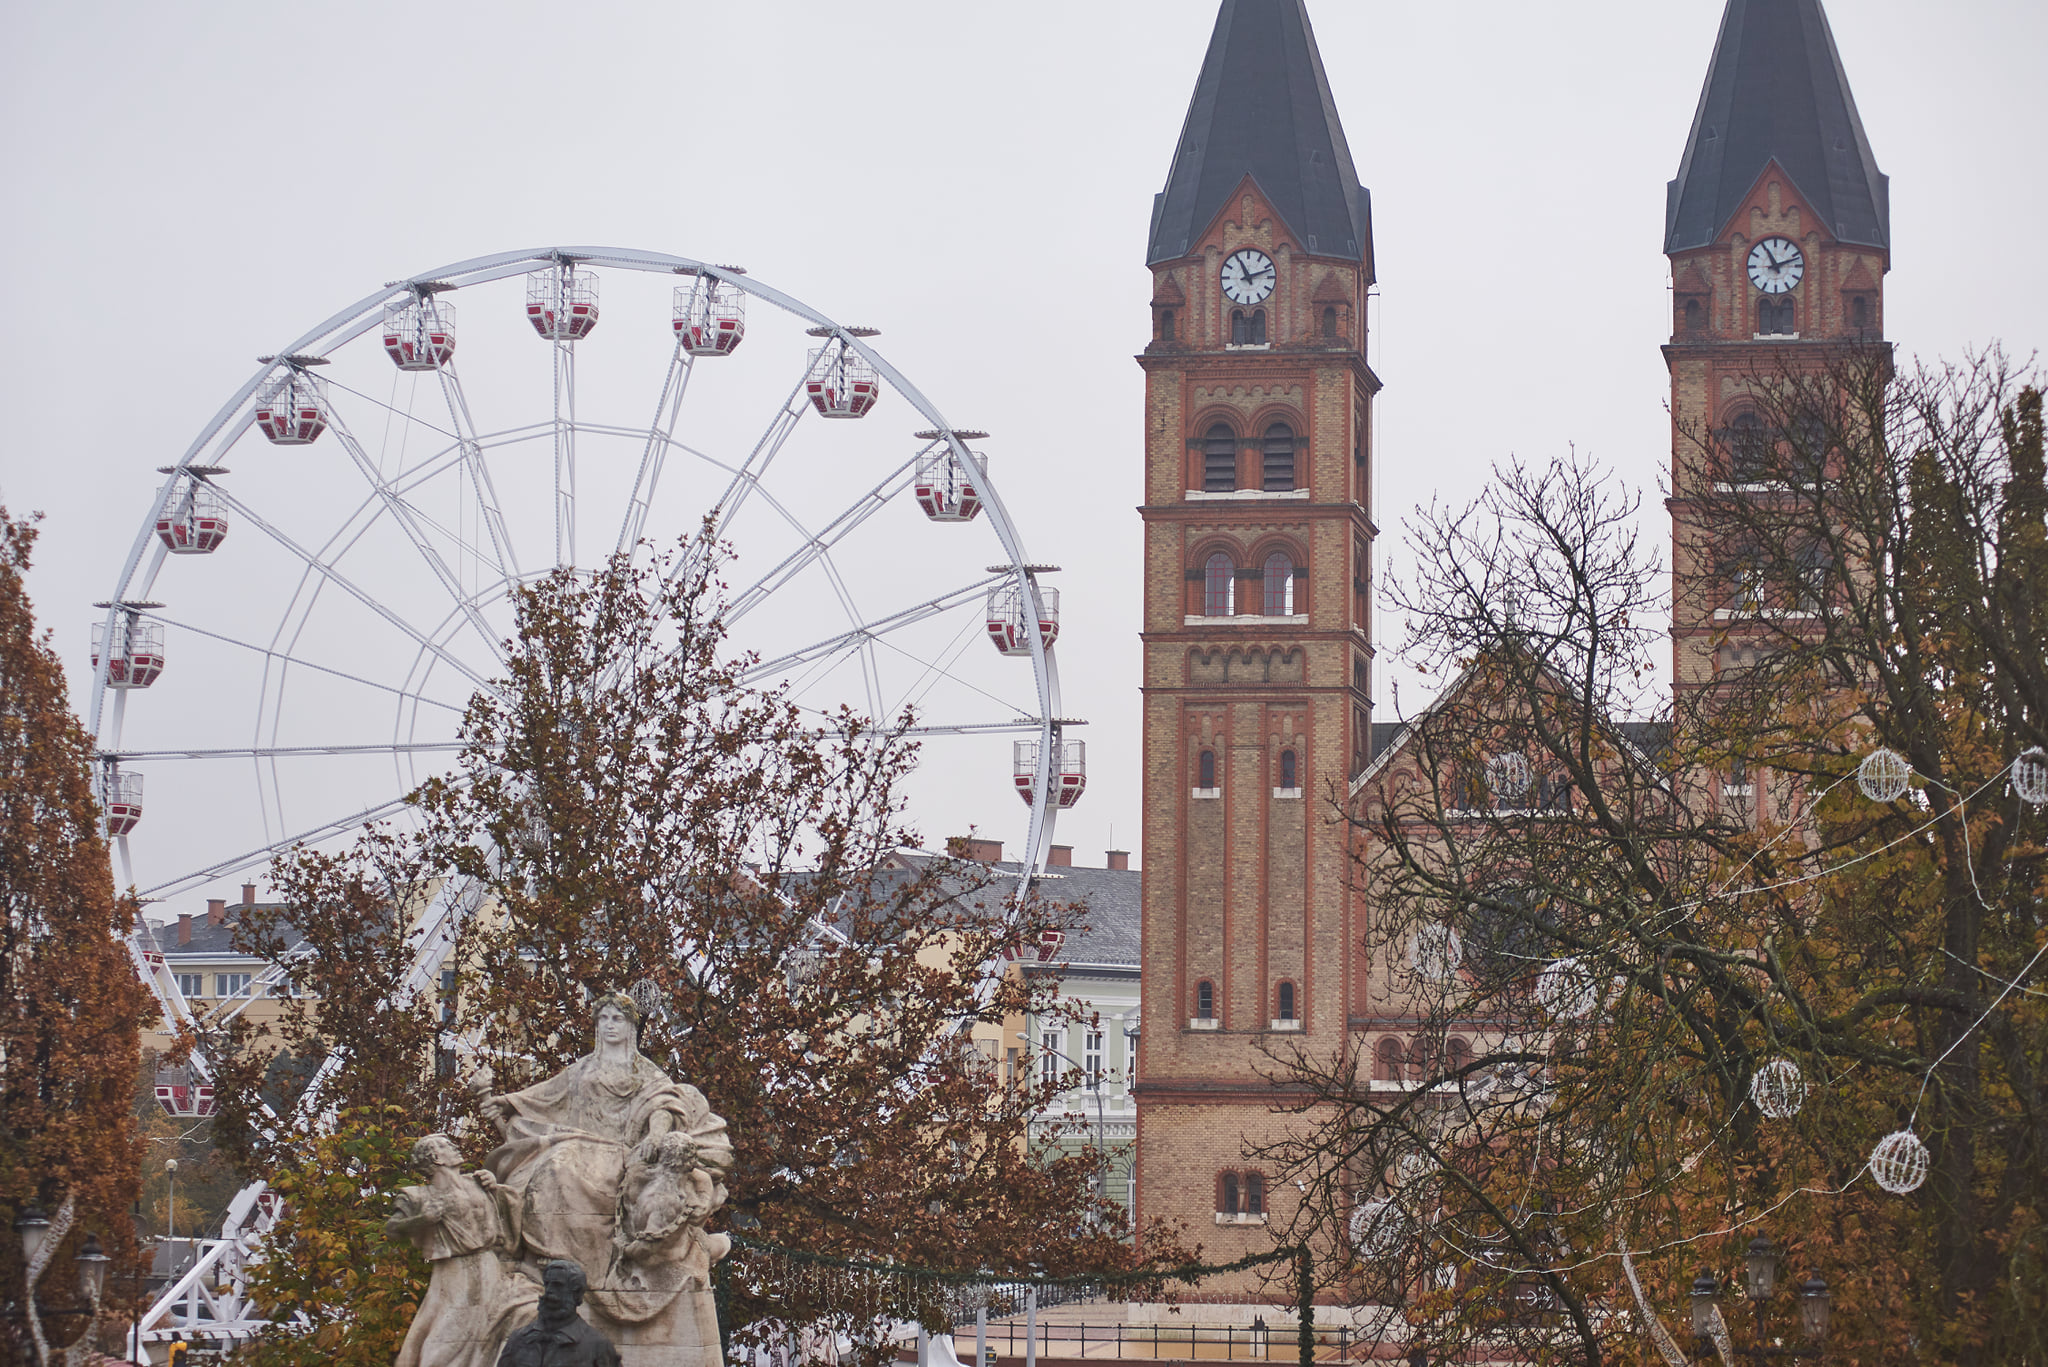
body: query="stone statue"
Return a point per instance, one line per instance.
(609, 1166)
(454, 1220)
(557, 1338)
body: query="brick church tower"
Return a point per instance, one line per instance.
(1778, 227)
(1257, 655)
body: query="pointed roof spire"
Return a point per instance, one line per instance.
(1262, 108)
(1776, 90)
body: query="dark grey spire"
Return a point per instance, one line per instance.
(1262, 108)
(1775, 89)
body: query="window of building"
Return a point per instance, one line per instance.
(1458, 1054)
(1279, 597)
(1774, 317)
(1240, 328)
(1091, 1059)
(1692, 315)
(1859, 311)
(1228, 1198)
(1749, 448)
(1218, 579)
(1255, 1193)
(1205, 769)
(1745, 573)
(1389, 1062)
(1278, 459)
(1048, 1057)
(447, 995)
(1422, 1059)
(1219, 460)
(1166, 326)
(1329, 322)
(192, 984)
(1290, 776)
(1010, 1068)
(1205, 1000)
(230, 984)
(1284, 1003)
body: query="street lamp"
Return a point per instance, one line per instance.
(1813, 1307)
(1760, 1277)
(92, 1271)
(33, 1226)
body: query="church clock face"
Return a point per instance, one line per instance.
(1247, 276)
(1775, 265)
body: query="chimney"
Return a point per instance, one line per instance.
(1062, 857)
(248, 894)
(974, 848)
(216, 911)
(1120, 859)
(184, 927)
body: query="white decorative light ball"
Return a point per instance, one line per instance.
(1778, 1089)
(1899, 1162)
(1435, 951)
(1411, 1167)
(1377, 1227)
(1566, 990)
(1508, 774)
(2030, 775)
(1883, 775)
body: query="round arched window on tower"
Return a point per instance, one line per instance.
(1218, 578)
(1279, 583)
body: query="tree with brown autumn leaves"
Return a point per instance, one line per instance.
(627, 816)
(1665, 971)
(71, 1008)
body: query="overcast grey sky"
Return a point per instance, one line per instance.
(191, 185)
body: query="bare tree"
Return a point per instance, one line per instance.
(1655, 975)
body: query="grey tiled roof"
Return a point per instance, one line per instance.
(1113, 914)
(1776, 89)
(1262, 107)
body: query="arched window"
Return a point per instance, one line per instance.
(1859, 311)
(1166, 326)
(1219, 460)
(1217, 579)
(1205, 1000)
(1257, 327)
(1255, 1193)
(1774, 317)
(1390, 1061)
(1284, 1002)
(1749, 448)
(1205, 770)
(1227, 1196)
(1692, 315)
(1277, 459)
(1279, 598)
(1459, 1053)
(1289, 778)
(1240, 328)
(1329, 322)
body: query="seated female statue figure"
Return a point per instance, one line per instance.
(568, 1142)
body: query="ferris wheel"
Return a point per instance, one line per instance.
(325, 576)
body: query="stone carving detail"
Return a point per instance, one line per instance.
(1247, 667)
(609, 1165)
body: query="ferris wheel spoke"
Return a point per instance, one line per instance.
(330, 574)
(748, 478)
(846, 640)
(479, 470)
(659, 434)
(286, 751)
(565, 453)
(934, 671)
(263, 853)
(408, 519)
(864, 507)
(288, 660)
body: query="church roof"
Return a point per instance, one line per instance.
(1776, 91)
(1262, 108)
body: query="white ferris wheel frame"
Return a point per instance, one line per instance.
(216, 1282)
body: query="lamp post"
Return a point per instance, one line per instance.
(1760, 1283)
